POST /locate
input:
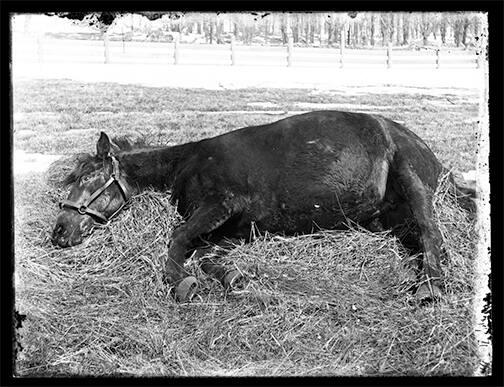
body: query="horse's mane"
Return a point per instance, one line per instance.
(87, 163)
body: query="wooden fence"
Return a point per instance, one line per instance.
(50, 50)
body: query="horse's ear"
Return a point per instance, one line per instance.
(103, 146)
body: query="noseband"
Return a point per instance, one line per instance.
(84, 209)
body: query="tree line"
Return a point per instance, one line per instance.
(354, 29)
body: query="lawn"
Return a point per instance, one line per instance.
(64, 117)
(334, 303)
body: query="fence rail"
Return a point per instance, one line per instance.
(50, 50)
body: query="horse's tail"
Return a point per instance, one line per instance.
(465, 194)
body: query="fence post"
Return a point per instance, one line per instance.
(106, 47)
(233, 54)
(342, 47)
(176, 53)
(289, 51)
(389, 55)
(40, 49)
(438, 56)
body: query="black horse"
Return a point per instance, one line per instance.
(315, 170)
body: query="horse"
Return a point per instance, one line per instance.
(322, 169)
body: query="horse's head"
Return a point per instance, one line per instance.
(98, 191)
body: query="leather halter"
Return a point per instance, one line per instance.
(84, 209)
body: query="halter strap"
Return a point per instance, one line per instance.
(84, 209)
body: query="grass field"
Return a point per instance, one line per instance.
(328, 304)
(64, 117)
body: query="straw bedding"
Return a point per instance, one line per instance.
(331, 303)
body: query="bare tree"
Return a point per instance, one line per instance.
(364, 30)
(465, 28)
(330, 29)
(219, 26)
(457, 29)
(356, 33)
(435, 20)
(398, 29)
(266, 29)
(386, 28)
(210, 30)
(313, 28)
(235, 29)
(476, 22)
(306, 25)
(372, 27)
(283, 28)
(321, 28)
(443, 26)
(296, 25)
(425, 27)
(405, 28)
(391, 26)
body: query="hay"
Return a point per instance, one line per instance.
(333, 303)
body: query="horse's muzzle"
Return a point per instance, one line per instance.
(66, 235)
(60, 237)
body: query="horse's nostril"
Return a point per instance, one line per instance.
(58, 230)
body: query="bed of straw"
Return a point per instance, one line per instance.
(331, 303)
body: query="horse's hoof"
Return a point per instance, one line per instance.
(234, 280)
(186, 289)
(427, 293)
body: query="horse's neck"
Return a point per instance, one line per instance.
(153, 166)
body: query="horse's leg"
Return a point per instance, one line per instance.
(203, 221)
(400, 221)
(209, 257)
(419, 200)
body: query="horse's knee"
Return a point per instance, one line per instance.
(179, 236)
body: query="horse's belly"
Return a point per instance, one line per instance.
(316, 213)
